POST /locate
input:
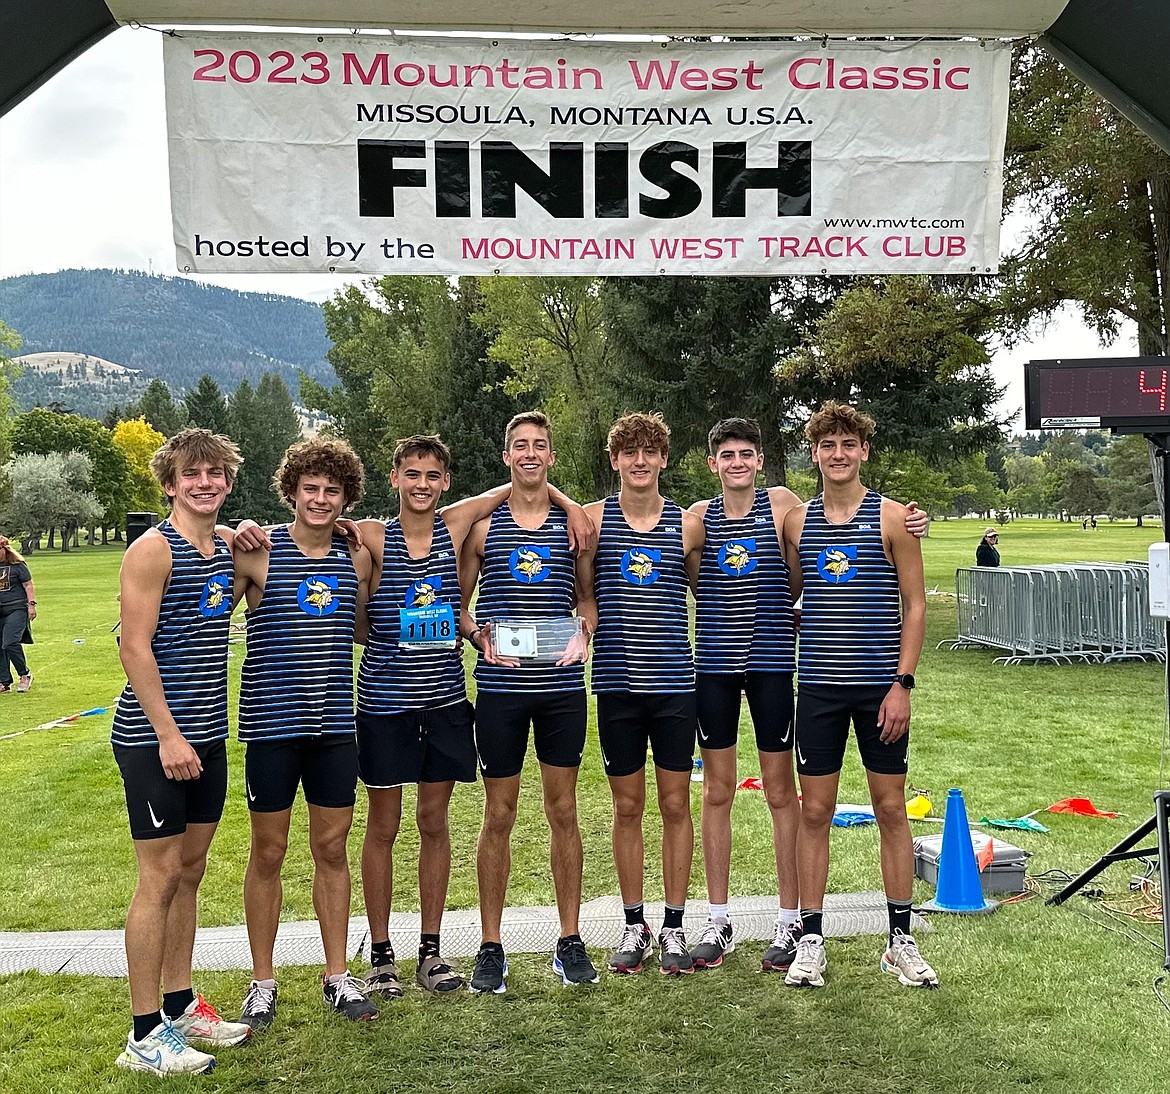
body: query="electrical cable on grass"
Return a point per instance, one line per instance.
(1160, 997)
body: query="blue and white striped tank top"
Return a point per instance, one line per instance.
(393, 678)
(642, 642)
(190, 647)
(743, 611)
(851, 623)
(297, 679)
(526, 575)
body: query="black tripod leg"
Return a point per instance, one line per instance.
(1107, 859)
(1161, 811)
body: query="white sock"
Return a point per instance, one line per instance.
(789, 917)
(718, 912)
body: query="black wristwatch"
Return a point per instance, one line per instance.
(906, 679)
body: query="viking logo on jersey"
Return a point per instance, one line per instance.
(316, 595)
(527, 564)
(216, 596)
(735, 557)
(423, 593)
(638, 565)
(835, 564)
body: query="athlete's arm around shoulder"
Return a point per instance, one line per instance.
(461, 516)
(143, 580)
(694, 536)
(373, 537)
(585, 570)
(470, 565)
(793, 528)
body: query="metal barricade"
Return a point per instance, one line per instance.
(1060, 613)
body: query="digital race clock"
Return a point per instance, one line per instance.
(1125, 394)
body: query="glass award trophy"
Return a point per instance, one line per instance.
(539, 641)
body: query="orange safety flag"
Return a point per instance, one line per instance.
(1082, 807)
(986, 855)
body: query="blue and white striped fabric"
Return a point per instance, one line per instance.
(743, 611)
(190, 646)
(642, 644)
(527, 575)
(851, 622)
(297, 679)
(394, 678)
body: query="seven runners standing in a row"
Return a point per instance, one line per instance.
(614, 575)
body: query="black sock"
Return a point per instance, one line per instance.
(175, 1002)
(673, 917)
(811, 920)
(635, 913)
(144, 1023)
(899, 912)
(569, 938)
(428, 946)
(381, 953)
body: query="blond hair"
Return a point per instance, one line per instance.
(192, 447)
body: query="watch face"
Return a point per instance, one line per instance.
(906, 680)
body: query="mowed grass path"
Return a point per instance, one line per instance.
(1033, 997)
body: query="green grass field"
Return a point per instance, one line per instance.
(1033, 997)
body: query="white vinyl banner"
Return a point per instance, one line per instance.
(455, 155)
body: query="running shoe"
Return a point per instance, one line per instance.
(345, 996)
(164, 1051)
(674, 959)
(24, 683)
(200, 1022)
(572, 964)
(382, 978)
(4, 688)
(636, 946)
(491, 970)
(808, 965)
(903, 960)
(259, 1007)
(780, 955)
(715, 941)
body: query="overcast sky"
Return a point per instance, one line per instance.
(83, 183)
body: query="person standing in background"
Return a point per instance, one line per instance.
(987, 553)
(18, 607)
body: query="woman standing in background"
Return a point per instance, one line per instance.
(987, 553)
(18, 606)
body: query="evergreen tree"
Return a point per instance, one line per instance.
(158, 408)
(206, 406)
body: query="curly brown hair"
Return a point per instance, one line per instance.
(330, 457)
(191, 447)
(639, 430)
(835, 417)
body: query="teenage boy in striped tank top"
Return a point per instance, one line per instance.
(523, 562)
(296, 711)
(862, 625)
(647, 555)
(168, 738)
(414, 722)
(745, 645)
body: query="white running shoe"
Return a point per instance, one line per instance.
(903, 960)
(808, 968)
(164, 1051)
(200, 1022)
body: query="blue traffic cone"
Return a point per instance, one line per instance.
(959, 888)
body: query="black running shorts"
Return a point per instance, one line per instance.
(630, 722)
(502, 718)
(823, 714)
(770, 700)
(326, 766)
(436, 745)
(158, 806)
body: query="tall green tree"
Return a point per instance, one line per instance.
(1130, 483)
(158, 408)
(206, 407)
(911, 352)
(50, 491)
(551, 332)
(480, 404)
(704, 348)
(392, 344)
